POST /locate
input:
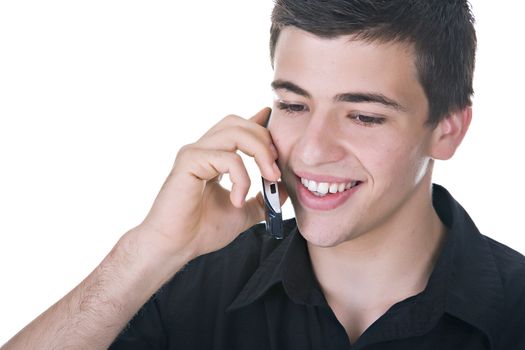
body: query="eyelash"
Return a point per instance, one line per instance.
(290, 108)
(365, 120)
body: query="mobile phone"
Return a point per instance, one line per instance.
(272, 204)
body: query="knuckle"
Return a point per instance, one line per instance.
(185, 150)
(237, 129)
(236, 158)
(230, 118)
(237, 165)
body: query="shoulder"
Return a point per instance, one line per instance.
(511, 268)
(219, 276)
(510, 264)
(242, 256)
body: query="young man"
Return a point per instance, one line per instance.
(368, 95)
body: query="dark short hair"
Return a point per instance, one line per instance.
(441, 32)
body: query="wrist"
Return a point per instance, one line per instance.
(153, 253)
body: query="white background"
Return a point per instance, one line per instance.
(96, 97)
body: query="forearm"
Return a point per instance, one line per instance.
(92, 315)
(192, 215)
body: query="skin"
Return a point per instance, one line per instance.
(391, 159)
(193, 215)
(379, 246)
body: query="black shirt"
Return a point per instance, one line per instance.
(260, 293)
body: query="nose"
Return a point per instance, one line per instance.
(320, 140)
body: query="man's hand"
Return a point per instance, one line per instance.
(192, 215)
(193, 212)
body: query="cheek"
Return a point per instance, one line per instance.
(395, 163)
(283, 138)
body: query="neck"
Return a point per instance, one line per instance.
(393, 261)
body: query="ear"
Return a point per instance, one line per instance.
(449, 133)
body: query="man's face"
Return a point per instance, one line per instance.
(349, 123)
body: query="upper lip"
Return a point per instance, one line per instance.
(324, 178)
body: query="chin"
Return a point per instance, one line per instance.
(322, 235)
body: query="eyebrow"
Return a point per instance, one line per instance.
(356, 97)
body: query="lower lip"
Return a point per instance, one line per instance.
(328, 202)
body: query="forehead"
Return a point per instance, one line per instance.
(326, 67)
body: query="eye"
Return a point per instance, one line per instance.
(291, 108)
(367, 120)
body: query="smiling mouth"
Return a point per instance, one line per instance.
(322, 189)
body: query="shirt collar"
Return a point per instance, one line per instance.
(474, 290)
(288, 264)
(465, 282)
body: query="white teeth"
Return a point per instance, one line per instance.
(322, 188)
(333, 188)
